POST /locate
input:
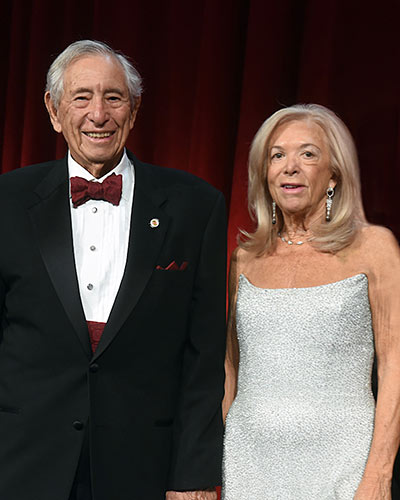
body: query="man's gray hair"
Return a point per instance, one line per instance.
(55, 75)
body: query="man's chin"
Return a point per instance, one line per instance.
(98, 162)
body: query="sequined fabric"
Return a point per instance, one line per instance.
(301, 425)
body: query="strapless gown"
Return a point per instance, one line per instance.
(301, 425)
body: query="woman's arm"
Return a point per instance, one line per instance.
(232, 348)
(382, 252)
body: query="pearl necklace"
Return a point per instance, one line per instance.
(289, 242)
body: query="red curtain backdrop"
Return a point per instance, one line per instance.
(213, 71)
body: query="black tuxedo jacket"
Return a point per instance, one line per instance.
(150, 395)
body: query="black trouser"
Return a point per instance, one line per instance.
(82, 487)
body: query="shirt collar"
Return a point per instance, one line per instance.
(125, 168)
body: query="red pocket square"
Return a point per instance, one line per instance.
(173, 266)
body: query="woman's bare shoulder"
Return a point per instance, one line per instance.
(241, 257)
(378, 237)
(241, 263)
(379, 245)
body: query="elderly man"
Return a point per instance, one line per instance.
(112, 288)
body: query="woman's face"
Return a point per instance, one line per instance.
(299, 168)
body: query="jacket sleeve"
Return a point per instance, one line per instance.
(198, 429)
(2, 300)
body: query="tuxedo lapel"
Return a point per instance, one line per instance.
(51, 218)
(145, 243)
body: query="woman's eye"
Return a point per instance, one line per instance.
(308, 154)
(277, 156)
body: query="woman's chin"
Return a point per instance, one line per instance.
(294, 210)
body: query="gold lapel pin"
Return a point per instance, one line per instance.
(154, 223)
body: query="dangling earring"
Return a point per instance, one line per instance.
(330, 192)
(273, 212)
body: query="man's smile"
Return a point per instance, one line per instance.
(98, 135)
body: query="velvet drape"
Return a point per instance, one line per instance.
(213, 71)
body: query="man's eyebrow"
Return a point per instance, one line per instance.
(115, 90)
(84, 90)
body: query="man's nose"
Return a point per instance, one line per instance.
(98, 114)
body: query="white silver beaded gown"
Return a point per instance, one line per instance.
(301, 425)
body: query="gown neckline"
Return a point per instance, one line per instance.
(334, 283)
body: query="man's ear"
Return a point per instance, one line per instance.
(132, 120)
(52, 112)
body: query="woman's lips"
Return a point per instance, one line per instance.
(292, 188)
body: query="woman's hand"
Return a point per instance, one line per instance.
(374, 488)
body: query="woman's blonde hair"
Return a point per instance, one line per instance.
(347, 212)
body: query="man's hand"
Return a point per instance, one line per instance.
(210, 494)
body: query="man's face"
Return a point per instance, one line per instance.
(95, 114)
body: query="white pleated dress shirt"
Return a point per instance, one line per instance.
(100, 233)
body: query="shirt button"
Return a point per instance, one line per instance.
(90, 286)
(92, 248)
(78, 425)
(94, 210)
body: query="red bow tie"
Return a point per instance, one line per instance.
(109, 190)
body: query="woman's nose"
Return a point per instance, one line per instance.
(291, 166)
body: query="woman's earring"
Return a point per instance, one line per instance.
(329, 195)
(273, 212)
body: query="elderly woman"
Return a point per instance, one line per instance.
(314, 292)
